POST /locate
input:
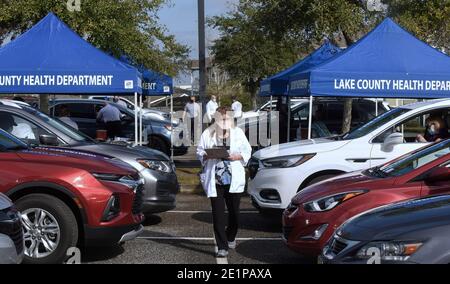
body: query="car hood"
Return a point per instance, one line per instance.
(84, 160)
(340, 184)
(5, 202)
(311, 146)
(389, 222)
(124, 152)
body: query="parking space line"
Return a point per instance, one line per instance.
(206, 239)
(205, 211)
(222, 260)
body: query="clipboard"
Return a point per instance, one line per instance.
(217, 153)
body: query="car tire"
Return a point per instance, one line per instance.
(65, 219)
(159, 144)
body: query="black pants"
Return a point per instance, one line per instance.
(114, 129)
(222, 233)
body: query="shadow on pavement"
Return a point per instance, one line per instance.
(273, 252)
(201, 246)
(249, 221)
(93, 254)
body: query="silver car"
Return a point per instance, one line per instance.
(11, 233)
(158, 171)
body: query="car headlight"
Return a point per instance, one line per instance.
(160, 166)
(389, 251)
(128, 181)
(286, 161)
(330, 202)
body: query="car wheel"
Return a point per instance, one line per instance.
(50, 228)
(159, 144)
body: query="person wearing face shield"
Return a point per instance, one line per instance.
(224, 179)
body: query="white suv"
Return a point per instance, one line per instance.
(277, 173)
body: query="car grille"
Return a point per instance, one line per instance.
(138, 200)
(253, 167)
(287, 232)
(12, 227)
(337, 246)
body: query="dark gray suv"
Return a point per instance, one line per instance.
(11, 233)
(36, 128)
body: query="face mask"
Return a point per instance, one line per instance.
(192, 101)
(432, 130)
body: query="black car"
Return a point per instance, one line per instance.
(84, 113)
(11, 233)
(414, 231)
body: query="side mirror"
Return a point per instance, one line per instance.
(49, 140)
(438, 174)
(391, 141)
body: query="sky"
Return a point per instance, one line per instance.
(180, 18)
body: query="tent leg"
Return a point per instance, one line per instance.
(171, 126)
(376, 107)
(270, 121)
(135, 120)
(288, 101)
(310, 117)
(141, 128)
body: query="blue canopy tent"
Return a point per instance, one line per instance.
(278, 84)
(389, 62)
(153, 84)
(50, 58)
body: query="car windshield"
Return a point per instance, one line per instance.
(416, 160)
(375, 123)
(9, 142)
(61, 126)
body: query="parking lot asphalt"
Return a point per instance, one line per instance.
(185, 236)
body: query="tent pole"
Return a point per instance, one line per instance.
(288, 102)
(135, 119)
(376, 107)
(171, 126)
(310, 117)
(270, 120)
(141, 128)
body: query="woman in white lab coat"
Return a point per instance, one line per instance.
(224, 180)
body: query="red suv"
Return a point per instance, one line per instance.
(317, 211)
(67, 198)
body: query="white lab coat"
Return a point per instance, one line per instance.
(211, 108)
(238, 145)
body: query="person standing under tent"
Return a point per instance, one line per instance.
(110, 115)
(224, 179)
(211, 108)
(236, 107)
(193, 111)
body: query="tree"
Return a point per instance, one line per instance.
(245, 52)
(118, 27)
(263, 37)
(429, 20)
